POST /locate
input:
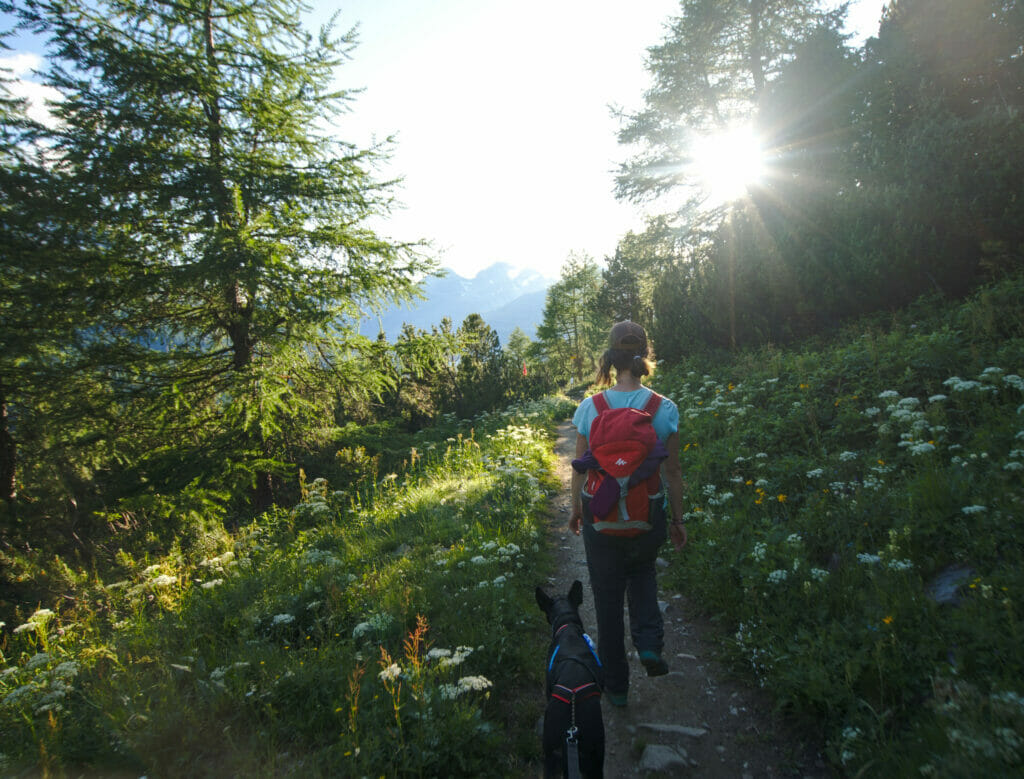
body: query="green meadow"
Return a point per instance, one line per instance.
(855, 516)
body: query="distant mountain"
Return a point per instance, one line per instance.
(505, 296)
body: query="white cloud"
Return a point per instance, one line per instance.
(21, 65)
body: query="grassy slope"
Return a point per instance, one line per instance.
(833, 492)
(356, 634)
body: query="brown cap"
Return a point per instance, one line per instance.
(628, 336)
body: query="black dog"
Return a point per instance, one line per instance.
(573, 727)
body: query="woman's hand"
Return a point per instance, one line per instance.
(576, 520)
(677, 534)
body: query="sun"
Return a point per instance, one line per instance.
(727, 163)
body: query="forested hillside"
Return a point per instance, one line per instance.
(237, 535)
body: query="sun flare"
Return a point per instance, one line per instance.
(728, 162)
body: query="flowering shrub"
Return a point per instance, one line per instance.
(857, 486)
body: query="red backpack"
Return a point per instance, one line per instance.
(623, 466)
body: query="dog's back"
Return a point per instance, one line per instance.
(574, 679)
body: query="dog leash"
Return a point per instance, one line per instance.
(572, 753)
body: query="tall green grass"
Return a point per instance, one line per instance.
(834, 494)
(378, 631)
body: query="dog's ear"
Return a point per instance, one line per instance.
(543, 600)
(576, 594)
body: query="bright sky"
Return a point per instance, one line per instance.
(501, 115)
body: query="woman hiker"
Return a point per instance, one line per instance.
(622, 566)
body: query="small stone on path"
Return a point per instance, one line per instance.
(679, 730)
(657, 757)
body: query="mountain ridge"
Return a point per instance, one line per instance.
(506, 297)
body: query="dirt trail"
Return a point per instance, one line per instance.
(695, 722)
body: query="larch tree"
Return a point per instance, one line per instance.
(200, 134)
(46, 303)
(708, 73)
(573, 326)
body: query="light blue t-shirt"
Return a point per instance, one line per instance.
(666, 419)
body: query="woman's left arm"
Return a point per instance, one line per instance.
(576, 489)
(672, 471)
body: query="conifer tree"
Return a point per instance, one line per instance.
(708, 72)
(573, 326)
(199, 134)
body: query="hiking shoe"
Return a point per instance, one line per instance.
(616, 698)
(654, 663)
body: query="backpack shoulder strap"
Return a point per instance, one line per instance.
(600, 403)
(653, 403)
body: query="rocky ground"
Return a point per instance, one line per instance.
(696, 722)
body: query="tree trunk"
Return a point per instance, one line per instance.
(239, 326)
(756, 51)
(8, 452)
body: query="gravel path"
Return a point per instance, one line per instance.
(697, 721)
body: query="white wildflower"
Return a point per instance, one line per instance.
(816, 473)
(282, 619)
(900, 565)
(459, 656)
(868, 559)
(474, 683)
(975, 509)
(448, 691)
(390, 673)
(819, 574)
(847, 456)
(164, 580)
(1014, 466)
(211, 584)
(218, 674)
(478, 560)
(872, 411)
(936, 398)
(778, 575)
